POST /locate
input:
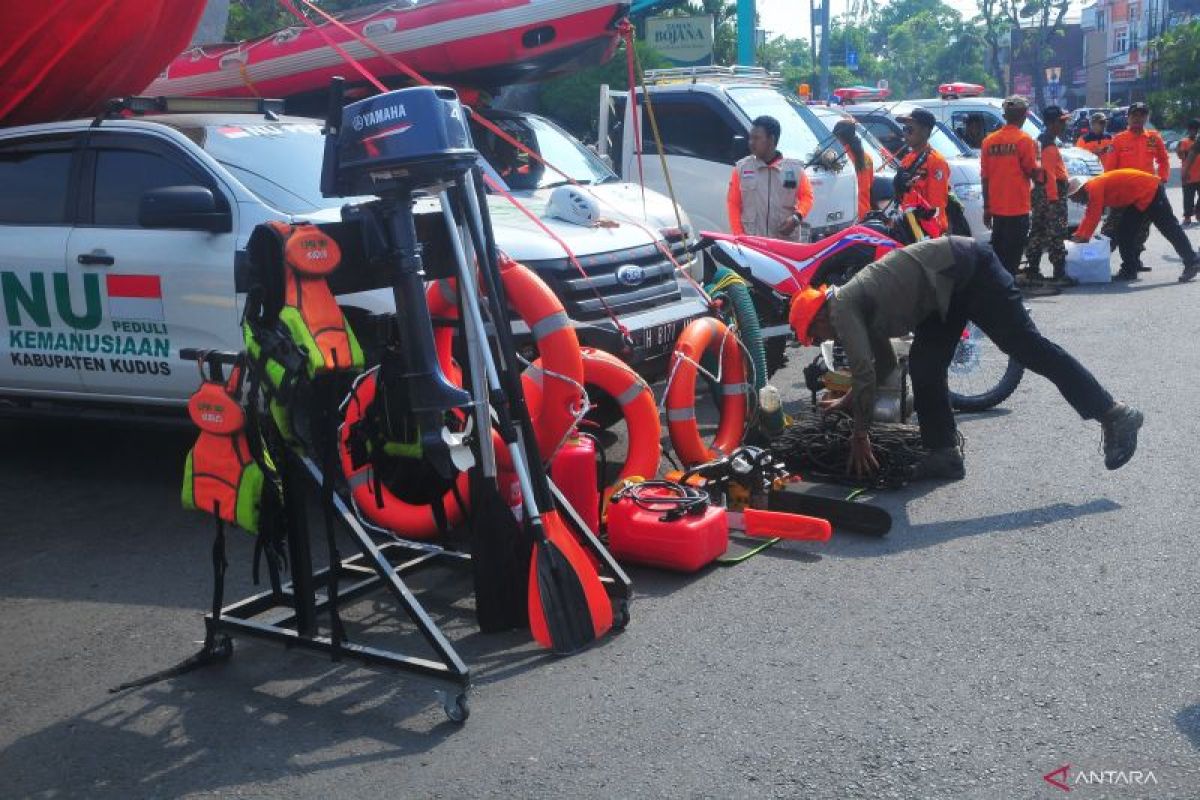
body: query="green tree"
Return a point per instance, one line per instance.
(250, 19)
(574, 100)
(1175, 70)
(1038, 38)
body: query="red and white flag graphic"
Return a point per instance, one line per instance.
(134, 297)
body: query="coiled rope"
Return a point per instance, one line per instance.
(818, 446)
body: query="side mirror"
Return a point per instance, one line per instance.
(184, 207)
(738, 147)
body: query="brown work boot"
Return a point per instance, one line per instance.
(942, 464)
(1120, 425)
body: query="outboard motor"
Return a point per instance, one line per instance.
(394, 145)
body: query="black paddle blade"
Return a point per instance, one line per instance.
(499, 559)
(568, 607)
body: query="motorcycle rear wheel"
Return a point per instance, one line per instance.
(981, 376)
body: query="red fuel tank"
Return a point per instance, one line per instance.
(654, 526)
(574, 473)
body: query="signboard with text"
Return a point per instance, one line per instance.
(683, 41)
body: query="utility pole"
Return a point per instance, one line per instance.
(745, 32)
(825, 87)
(819, 20)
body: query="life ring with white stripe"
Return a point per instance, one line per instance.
(697, 338)
(558, 347)
(612, 376)
(386, 509)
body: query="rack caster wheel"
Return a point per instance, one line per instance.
(620, 614)
(455, 707)
(222, 649)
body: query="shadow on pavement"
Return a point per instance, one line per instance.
(207, 730)
(1188, 721)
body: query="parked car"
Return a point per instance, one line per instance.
(704, 116)
(100, 292)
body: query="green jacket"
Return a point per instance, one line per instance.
(890, 298)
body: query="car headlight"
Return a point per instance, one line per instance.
(968, 191)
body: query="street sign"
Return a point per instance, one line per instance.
(852, 60)
(683, 41)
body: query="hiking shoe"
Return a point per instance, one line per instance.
(1189, 272)
(1120, 426)
(1125, 275)
(1063, 281)
(943, 464)
(1142, 268)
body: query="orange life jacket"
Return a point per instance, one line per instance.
(221, 475)
(310, 313)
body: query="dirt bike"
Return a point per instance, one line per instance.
(980, 375)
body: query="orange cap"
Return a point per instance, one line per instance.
(805, 305)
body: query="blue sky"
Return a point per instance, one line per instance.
(790, 17)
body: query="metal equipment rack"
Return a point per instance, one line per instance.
(287, 613)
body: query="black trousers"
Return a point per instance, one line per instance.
(1009, 237)
(1190, 190)
(991, 300)
(1162, 216)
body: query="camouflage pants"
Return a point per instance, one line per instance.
(1048, 228)
(1112, 224)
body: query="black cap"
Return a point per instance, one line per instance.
(921, 117)
(1194, 123)
(1139, 107)
(1051, 113)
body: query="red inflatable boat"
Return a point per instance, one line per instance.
(471, 42)
(63, 58)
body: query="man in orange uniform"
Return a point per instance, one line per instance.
(923, 172)
(1008, 162)
(769, 195)
(1097, 141)
(1048, 227)
(1189, 159)
(1137, 148)
(1141, 196)
(864, 165)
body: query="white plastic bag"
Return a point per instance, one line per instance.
(1088, 262)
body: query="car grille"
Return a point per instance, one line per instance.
(658, 286)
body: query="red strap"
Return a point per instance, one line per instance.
(349, 59)
(496, 187)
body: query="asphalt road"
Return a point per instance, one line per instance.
(1042, 612)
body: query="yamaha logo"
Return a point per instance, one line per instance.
(378, 116)
(630, 274)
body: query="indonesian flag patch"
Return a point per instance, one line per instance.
(135, 297)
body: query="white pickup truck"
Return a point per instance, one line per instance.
(99, 291)
(704, 116)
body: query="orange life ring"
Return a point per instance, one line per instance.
(696, 339)
(407, 520)
(612, 376)
(557, 344)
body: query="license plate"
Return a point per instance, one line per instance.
(661, 336)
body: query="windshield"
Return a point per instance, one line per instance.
(879, 154)
(552, 143)
(799, 138)
(947, 144)
(280, 162)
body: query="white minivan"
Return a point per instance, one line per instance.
(704, 117)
